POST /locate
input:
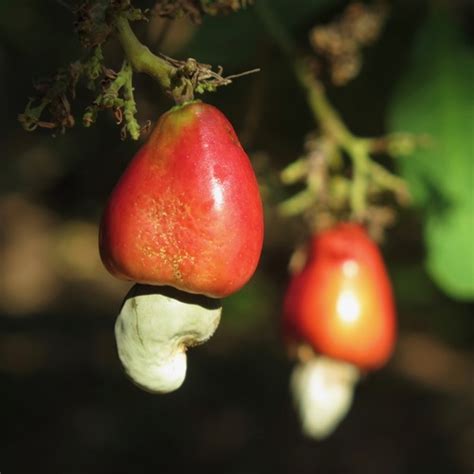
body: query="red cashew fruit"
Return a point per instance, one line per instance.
(187, 210)
(341, 303)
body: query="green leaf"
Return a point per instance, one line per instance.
(450, 242)
(436, 96)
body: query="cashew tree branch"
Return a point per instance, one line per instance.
(140, 57)
(331, 123)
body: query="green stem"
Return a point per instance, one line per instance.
(141, 58)
(361, 164)
(324, 114)
(295, 171)
(387, 180)
(298, 203)
(130, 108)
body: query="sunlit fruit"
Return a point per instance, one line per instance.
(341, 303)
(187, 210)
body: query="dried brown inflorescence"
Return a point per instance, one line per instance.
(341, 41)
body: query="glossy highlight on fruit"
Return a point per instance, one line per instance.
(187, 210)
(341, 303)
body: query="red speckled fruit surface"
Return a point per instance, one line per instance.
(187, 210)
(341, 303)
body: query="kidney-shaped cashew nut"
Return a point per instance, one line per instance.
(322, 392)
(155, 327)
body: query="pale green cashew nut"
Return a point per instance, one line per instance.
(155, 327)
(322, 391)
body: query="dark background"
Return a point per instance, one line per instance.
(65, 405)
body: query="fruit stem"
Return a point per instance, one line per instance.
(180, 79)
(143, 60)
(332, 125)
(140, 57)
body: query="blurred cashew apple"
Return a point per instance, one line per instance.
(340, 306)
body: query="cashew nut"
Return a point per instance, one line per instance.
(322, 391)
(153, 330)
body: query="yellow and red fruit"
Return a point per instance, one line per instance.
(187, 210)
(341, 303)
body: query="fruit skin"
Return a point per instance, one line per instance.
(187, 210)
(341, 303)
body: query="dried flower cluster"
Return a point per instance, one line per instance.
(195, 9)
(341, 41)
